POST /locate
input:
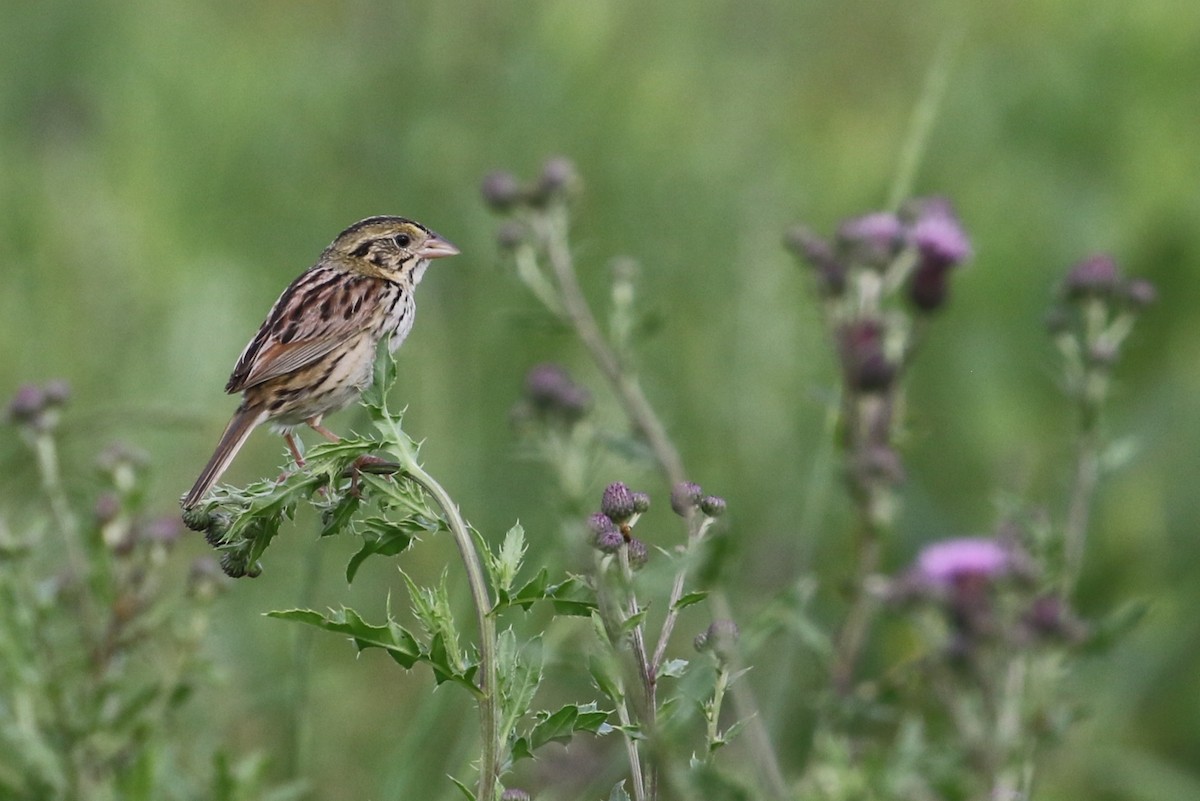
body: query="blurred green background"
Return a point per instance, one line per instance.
(166, 169)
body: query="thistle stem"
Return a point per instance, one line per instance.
(489, 764)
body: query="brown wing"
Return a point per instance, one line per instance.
(319, 310)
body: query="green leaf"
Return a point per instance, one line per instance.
(507, 562)
(384, 537)
(560, 727)
(374, 397)
(633, 621)
(618, 793)
(467, 791)
(399, 644)
(687, 599)
(604, 674)
(336, 517)
(673, 668)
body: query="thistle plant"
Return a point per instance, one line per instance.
(972, 712)
(536, 235)
(374, 487)
(101, 628)
(879, 282)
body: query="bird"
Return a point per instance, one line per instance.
(315, 352)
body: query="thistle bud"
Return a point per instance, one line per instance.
(559, 177)
(685, 496)
(513, 794)
(58, 392)
(638, 553)
(552, 394)
(1140, 293)
(641, 503)
(719, 639)
(712, 505)
(617, 503)
(27, 404)
(501, 190)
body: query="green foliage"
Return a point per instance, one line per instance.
(168, 168)
(102, 630)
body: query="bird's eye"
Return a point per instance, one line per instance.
(403, 240)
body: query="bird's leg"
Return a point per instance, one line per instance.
(292, 446)
(315, 424)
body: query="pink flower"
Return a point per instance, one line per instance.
(947, 563)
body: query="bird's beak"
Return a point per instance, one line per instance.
(436, 247)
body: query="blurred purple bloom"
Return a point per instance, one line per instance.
(1094, 276)
(872, 238)
(941, 240)
(684, 497)
(946, 563)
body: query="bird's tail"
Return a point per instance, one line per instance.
(243, 422)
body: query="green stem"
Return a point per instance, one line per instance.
(714, 718)
(1087, 476)
(489, 764)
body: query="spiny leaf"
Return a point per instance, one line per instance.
(507, 561)
(560, 727)
(398, 642)
(384, 537)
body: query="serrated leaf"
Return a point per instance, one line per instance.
(729, 734)
(382, 537)
(399, 644)
(508, 559)
(690, 598)
(560, 727)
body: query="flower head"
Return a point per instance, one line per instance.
(618, 503)
(1095, 276)
(944, 564)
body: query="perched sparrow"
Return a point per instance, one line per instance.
(315, 352)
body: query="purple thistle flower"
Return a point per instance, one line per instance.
(938, 235)
(1095, 276)
(944, 564)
